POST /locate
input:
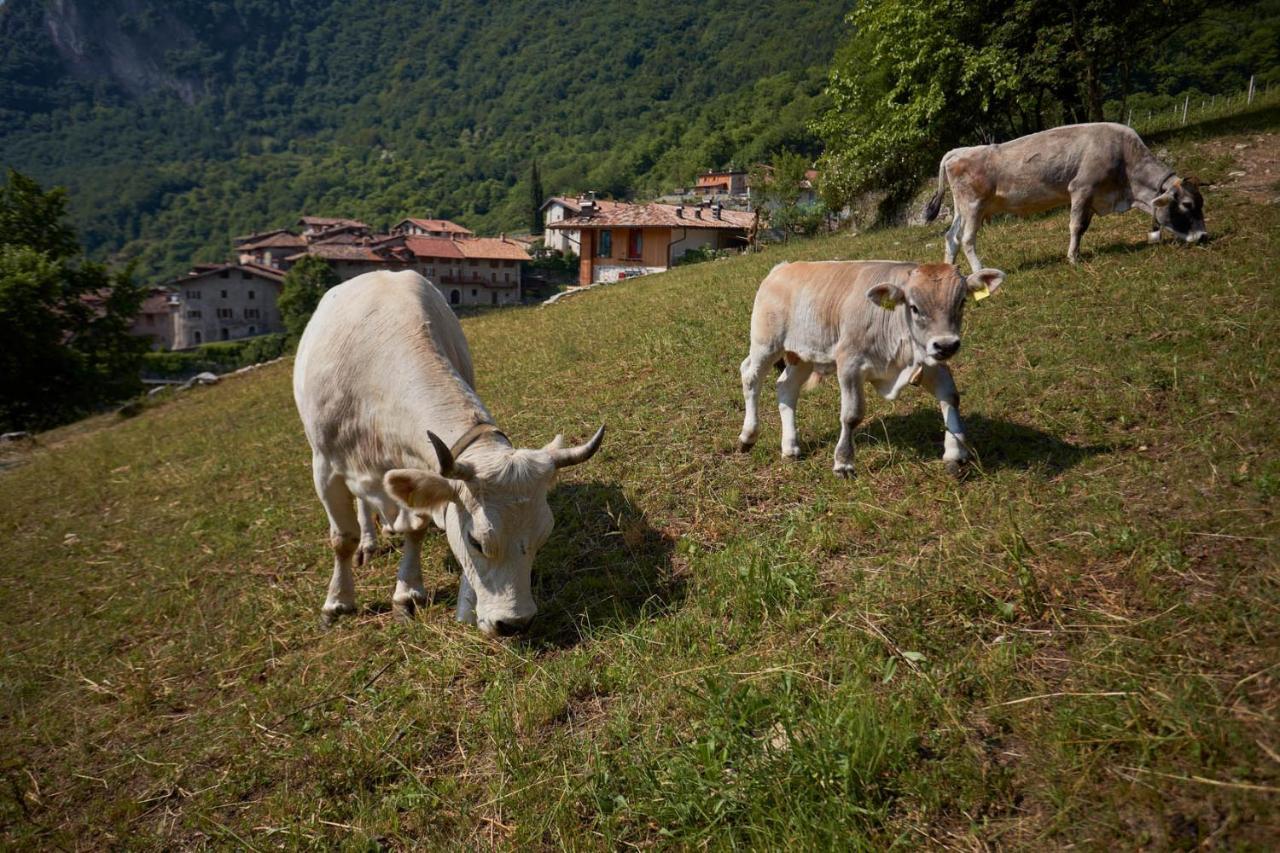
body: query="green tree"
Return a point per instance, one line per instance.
(304, 284)
(918, 77)
(64, 321)
(535, 201)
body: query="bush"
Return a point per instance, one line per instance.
(220, 357)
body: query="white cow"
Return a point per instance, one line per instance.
(884, 322)
(384, 384)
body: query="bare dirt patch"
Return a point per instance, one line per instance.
(1255, 172)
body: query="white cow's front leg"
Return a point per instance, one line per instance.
(937, 380)
(850, 377)
(343, 538)
(368, 532)
(409, 594)
(789, 384)
(753, 367)
(466, 602)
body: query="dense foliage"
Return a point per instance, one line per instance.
(304, 284)
(64, 321)
(190, 122)
(918, 77)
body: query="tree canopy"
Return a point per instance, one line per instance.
(64, 321)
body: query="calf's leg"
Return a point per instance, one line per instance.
(344, 535)
(409, 594)
(850, 377)
(937, 380)
(753, 368)
(789, 383)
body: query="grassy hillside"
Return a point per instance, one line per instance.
(1076, 645)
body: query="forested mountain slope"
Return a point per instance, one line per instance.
(178, 124)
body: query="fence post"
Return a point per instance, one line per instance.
(1250, 89)
(1130, 120)
(1185, 103)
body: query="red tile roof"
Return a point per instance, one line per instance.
(204, 270)
(259, 235)
(433, 247)
(277, 240)
(326, 222)
(436, 225)
(492, 248)
(615, 214)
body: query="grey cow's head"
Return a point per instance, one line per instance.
(934, 296)
(496, 516)
(1181, 209)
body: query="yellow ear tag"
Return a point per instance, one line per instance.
(886, 302)
(979, 295)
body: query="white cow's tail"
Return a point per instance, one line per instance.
(934, 204)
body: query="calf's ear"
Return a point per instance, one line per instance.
(417, 489)
(887, 296)
(983, 283)
(1162, 200)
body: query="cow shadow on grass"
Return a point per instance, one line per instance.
(997, 443)
(604, 567)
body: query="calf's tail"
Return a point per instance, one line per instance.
(934, 204)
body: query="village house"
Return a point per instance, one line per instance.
(224, 302)
(270, 249)
(157, 318)
(563, 240)
(314, 226)
(729, 182)
(429, 228)
(622, 240)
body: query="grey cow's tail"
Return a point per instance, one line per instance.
(934, 204)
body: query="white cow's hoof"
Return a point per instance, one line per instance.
(791, 454)
(365, 554)
(844, 470)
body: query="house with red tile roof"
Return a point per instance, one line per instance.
(623, 240)
(724, 182)
(429, 228)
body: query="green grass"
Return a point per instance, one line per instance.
(1076, 645)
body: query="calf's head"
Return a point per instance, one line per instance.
(495, 513)
(1181, 209)
(933, 298)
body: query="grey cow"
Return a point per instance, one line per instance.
(1096, 168)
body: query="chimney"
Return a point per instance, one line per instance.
(715, 210)
(697, 212)
(679, 211)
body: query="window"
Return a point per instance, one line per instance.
(253, 330)
(224, 294)
(250, 294)
(454, 297)
(493, 265)
(226, 335)
(474, 293)
(193, 294)
(506, 276)
(251, 313)
(193, 315)
(199, 339)
(493, 298)
(225, 314)
(606, 244)
(224, 274)
(635, 243)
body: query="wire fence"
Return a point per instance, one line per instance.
(1195, 108)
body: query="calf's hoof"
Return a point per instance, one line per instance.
(954, 467)
(405, 605)
(330, 614)
(745, 446)
(844, 470)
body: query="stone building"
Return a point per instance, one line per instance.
(225, 302)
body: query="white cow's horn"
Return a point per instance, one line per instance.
(563, 457)
(444, 457)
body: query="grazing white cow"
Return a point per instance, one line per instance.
(887, 322)
(1095, 168)
(384, 384)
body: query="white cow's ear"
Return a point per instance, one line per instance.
(417, 489)
(887, 296)
(984, 282)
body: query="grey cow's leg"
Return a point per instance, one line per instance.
(850, 377)
(344, 534)
(1081, 214)
(970, 224)
(752, 370)
(410, 594)
(789, 384)
(936, 379)
(368, 532)
(953, 237)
